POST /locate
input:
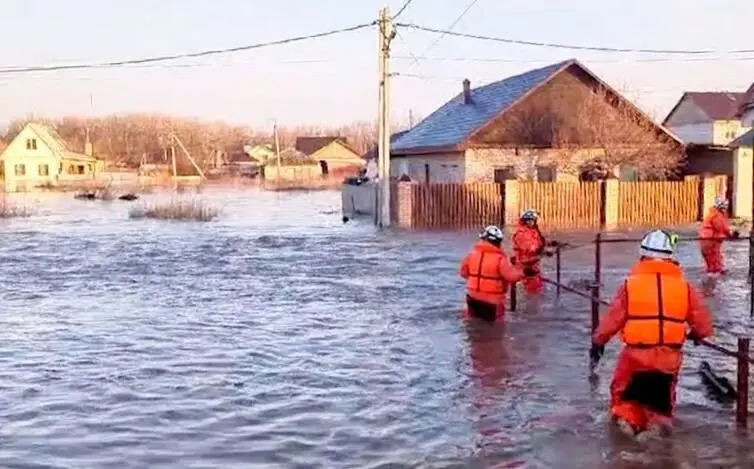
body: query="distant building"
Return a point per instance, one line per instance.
(707, 118)
(510, 129)
(334, 155)
(39, 157)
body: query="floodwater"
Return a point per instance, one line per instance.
(277, 336)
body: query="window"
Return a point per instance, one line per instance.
(44, 170)
(506, 173)
(31, 143)
(546, 173)
(90, 168)
(20, 169)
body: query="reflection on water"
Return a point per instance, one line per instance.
(279, 337)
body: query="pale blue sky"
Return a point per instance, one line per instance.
(333, 80)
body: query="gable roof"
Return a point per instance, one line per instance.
(746, 102)
(52, 139)
(745, 140)
(717, 105)
(454, 123)
(311, 145)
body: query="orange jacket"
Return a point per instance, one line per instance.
(715, 228)
(662, 358)
(528, 243)
(488, 273)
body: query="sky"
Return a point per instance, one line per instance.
(333, 80)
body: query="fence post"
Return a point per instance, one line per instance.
(595, 291)
(557, 269)
(597, 280)
(742, 383)
(514, 300)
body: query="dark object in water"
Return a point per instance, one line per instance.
(128, 196)
(718, 387)
(85, 196)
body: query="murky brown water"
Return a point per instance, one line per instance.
(278, 337)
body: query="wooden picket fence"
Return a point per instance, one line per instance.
(567, 205)
(563, 204)
(658, 203)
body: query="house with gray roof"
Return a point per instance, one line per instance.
(479, 135)
(743, 169)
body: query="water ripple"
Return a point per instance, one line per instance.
(279, 337)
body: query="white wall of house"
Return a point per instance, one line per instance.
(441, 168)
(685, 113)
(703, 132)
(743, 158)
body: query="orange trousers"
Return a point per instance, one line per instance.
(642, 396)
(534, 285)
(712, 253)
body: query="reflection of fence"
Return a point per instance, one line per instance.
(609, 203)
(741, 354)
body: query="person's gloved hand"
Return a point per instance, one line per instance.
(553, 243)
(548, 253)
(735, 235)
(693, 337)
(596, 352)
(540, 250)
(530, 271)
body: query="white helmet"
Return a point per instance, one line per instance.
(658, 244)
(492, 233)
(529, 214)
(721, 203)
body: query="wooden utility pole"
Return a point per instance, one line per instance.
(277, 149)
(190, 158)
(386, 33)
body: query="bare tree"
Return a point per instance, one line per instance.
(592, 128)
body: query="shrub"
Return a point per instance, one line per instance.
(184, 210)
(9, 209)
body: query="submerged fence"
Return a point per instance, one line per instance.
(742, 352)
(572, 205)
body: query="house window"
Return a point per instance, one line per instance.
(44, 170)
(506, 173)
(546, 173)
(31, 143)
(89, 168)
(20, 169)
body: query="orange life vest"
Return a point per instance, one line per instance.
(484, 273)
(658, 305)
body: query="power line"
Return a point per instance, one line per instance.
(414, 57)
(450, 28)
(165, 58)
(569, 46)
(402, 9)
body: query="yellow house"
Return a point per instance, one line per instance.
(293, 166)
(743, 159)
(39, 157)
(332, 153)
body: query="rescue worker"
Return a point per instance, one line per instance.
(715, 230)
(529, 247)
(489, 273)
(652, 309)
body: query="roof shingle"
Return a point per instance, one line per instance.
(745, 140)
(718, 105)
(453, 122)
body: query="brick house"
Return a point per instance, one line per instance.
(519, 128)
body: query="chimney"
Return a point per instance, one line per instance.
(466, 91)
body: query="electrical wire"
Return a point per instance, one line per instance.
(402, 9)
(166, 58)
(552, 45)
(414, 57)
(450, 28)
